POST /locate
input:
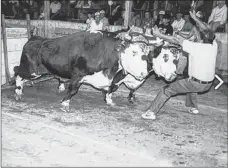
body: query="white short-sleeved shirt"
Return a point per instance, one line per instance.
(218, 15)
(178, 25)
(202, 59)
(55, 7)
(95, 27)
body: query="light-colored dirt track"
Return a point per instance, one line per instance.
(35, 132)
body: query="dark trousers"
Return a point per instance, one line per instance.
(184, 86)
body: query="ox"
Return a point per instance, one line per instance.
(162, 60)
(81, 58)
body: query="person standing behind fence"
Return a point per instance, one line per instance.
(55, 6)
(148, 21)
(104, 19)
(179, 22)
(95, 25)
(166, 27)
(89, 19)
(218, 16)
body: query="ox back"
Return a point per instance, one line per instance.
(30, 62)
(82, 52)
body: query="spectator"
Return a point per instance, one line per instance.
(96, 24)
(116, 13)
(89, 19)
(195, 34)
(8, 9)
(62, 13)
(218, 16)
(71, 10)
(103, 18)
(160, 17)
(136, 20)
(148, 21)
(179, 22)
(188, 23)
(120, 21)
(35, 9)
(23, 9)
(55, 6)
(166, 27)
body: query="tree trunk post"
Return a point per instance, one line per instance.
(7, 73)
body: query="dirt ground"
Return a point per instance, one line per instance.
(35, 132)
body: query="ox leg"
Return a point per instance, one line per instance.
(114, 86)
(61, 86)
(19, 87)
(131, 97)
(72, 90)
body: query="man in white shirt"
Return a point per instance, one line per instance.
(218, 15)
(202, 60)
(179, 22)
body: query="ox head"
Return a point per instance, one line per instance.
(165, 64)
(133, 60)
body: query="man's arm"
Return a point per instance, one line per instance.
(186, 36)
(201, 25)
(168, 38)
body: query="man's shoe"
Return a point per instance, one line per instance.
(149, 115)
(193, 110)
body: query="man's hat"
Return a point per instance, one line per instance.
(161, 12)
(97, 14)
(102, 11)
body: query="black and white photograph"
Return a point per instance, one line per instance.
(114, 83)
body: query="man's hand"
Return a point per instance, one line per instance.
(193, 14)
(156, 31)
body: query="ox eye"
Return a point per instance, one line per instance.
(135, 53)
(166, 57)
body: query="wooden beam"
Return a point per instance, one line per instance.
(28, 25)
(127, 13)
(155, 9)
(46, 16)
(7, 73)
(47, 10)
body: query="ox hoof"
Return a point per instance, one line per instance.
(17, 97)
(66, 106)
(66, 109)
(132, 99)
(111, 104)
(61, 88)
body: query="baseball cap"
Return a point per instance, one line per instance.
(102, 11)
(161, 12)
(97, 14)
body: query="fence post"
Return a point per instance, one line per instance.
(28, 25)
(46, 16)
(7, 73)
(127, 13)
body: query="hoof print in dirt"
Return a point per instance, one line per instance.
(17, 97)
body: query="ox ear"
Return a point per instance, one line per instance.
(155, 53)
